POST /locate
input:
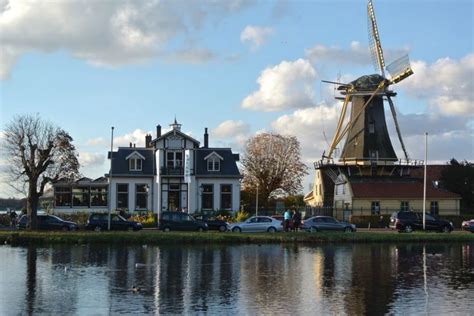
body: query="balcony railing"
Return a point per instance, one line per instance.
(172, 171)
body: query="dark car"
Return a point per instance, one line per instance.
(48, 222)
(468, 225)
(327, 223)
(408, 221)
(180, 221)
(213, 223)
(100, 222)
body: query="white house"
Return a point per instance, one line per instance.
(172, 172)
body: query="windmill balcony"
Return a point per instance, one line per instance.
(172, 171)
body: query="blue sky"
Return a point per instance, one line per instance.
(236, 67)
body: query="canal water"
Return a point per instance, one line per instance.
(353, 279)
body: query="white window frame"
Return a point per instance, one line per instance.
(133, 164)
(215, 164)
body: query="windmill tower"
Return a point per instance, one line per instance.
(367, 138)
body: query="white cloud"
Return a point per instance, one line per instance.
(356, 54)
(230, 133)
(136, 137)
(108, 33)
(256, 36)
(230, 128)
(98, 141)
(192, 55)
(288, 85)
(314, 128)
(87, 159)
(442, 147)
(447, 85)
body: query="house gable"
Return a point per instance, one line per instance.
(135, 155)
(227, 162)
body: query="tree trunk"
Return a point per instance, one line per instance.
(32, 204)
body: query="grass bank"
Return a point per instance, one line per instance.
(160, 238)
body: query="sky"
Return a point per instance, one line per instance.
(237, 67)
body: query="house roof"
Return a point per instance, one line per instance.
(228, 165)
(398, 190)
(135, 154)
(81, 182)
(120, 164)
(177, 132)
(433, 172)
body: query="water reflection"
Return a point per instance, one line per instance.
(344, 279)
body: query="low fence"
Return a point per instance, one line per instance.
(346, 213)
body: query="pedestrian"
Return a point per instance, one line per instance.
(287, 218)
(13, 217)
(296, 220)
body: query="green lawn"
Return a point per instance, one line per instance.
(157, 237)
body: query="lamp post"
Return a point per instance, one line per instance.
(110, 176)
(424, 181)
(256, 202)
(147, 190)
(199, 203)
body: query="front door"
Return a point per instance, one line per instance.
(173, 201)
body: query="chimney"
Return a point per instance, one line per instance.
(148, 141)
(206, 138)
(134, 145)
(158, 131)
(130, 144)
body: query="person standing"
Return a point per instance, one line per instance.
(13, 217)
(296, 220)
(287, 218)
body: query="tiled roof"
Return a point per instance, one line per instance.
(228, 165)
(177, 132)
(120, 165)
(399, 190)
(433, 172)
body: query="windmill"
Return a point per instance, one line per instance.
(367, 138)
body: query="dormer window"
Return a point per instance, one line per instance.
(213, 164)
(135, 164)
(213, 161)
(135, 161)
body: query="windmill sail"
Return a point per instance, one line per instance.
(374, 40)
(400, 69)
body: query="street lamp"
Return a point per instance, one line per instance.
(256, 202)
(147, 189)
(110, 176)
(424, 181)
(201, 190)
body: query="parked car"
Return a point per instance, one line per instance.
(100, 222)
(408, 221)
(48, 222)
(213, 223)
(257, 224)
(180, 221)
(327, 223)
(468, 225)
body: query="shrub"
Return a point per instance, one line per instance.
(148, 219)
(241, 216)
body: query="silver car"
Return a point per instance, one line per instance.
(327, 223)
(257, 224)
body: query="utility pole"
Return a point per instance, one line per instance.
(256, 202)
(110, 177)
(424, 181)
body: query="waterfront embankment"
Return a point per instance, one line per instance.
(154, 237)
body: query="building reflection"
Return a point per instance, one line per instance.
(251, 279)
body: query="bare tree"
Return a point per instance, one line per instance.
(38, 153)
(274, 163)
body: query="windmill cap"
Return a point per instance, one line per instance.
(365, 83)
